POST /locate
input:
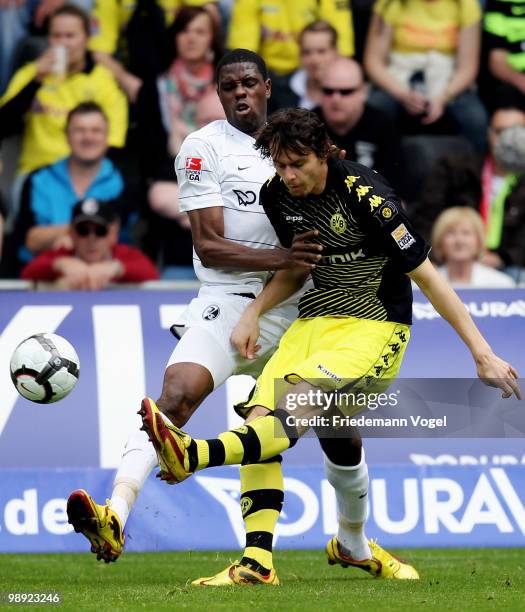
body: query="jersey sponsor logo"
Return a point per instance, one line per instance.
(386, 212)
(338, 223)
(245, 198)
(241, 168)
(350, 180)
(342, 257)
(293, 218)
(211, 312)
(375, 201)
(403, 237)
(193, 168)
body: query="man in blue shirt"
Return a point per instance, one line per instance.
(50, 193)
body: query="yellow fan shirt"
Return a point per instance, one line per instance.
(427, 25)
(44, 140)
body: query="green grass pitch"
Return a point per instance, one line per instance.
(451, 579)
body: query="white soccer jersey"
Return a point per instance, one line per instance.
(218, 166)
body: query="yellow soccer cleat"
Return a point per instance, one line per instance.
(100, 524)
(238, 574)
(391, 566)
(381, 565)
(170, 443)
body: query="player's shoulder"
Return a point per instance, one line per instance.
(273, 186)
(207, 137)
(347, 169)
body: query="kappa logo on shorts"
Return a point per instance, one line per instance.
(403, 237)
(193, 167)
(327, 372)
(211, 312)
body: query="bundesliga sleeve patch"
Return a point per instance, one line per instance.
(193, 168)
(403, 237)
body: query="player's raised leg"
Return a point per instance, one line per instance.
(265, 437)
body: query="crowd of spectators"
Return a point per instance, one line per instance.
(96, 97)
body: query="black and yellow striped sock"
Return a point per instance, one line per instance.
(264, 438)
(262, 495)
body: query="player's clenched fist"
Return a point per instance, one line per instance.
(246, 333)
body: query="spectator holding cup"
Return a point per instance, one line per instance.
(41, 93)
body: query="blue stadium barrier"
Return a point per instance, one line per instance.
(410, 506)
(434, 492)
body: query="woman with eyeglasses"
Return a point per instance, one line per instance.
(423, 58)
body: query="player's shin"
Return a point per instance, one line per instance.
(138, 460)
(351, 490)
(262, 495)
(264, 438)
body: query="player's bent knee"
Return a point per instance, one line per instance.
(185, 386)
(177, 405)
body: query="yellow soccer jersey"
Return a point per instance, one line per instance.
(369, 244)
(272, 27)
(427, 25)
(44, 140)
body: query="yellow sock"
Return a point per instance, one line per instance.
(262, 494)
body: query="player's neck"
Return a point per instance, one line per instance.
(320, 185)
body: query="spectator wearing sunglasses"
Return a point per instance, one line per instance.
(366, 133)
(95, 259)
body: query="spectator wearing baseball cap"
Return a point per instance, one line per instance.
(95, 259)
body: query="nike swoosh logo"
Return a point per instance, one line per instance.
(242, 168)
(364, 495)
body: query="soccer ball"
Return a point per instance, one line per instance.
(44, 368)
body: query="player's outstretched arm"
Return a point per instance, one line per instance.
(492, 370)
(246, 333)
(215, 251)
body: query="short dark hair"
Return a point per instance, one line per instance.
(293, 129)
(320, 26)
(241, 56)
(73, 11)
(85, 108)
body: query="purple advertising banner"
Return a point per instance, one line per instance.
(410, 506)
(123, 341)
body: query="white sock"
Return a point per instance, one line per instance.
(120, 506)
(351, 491)
(138, 460)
